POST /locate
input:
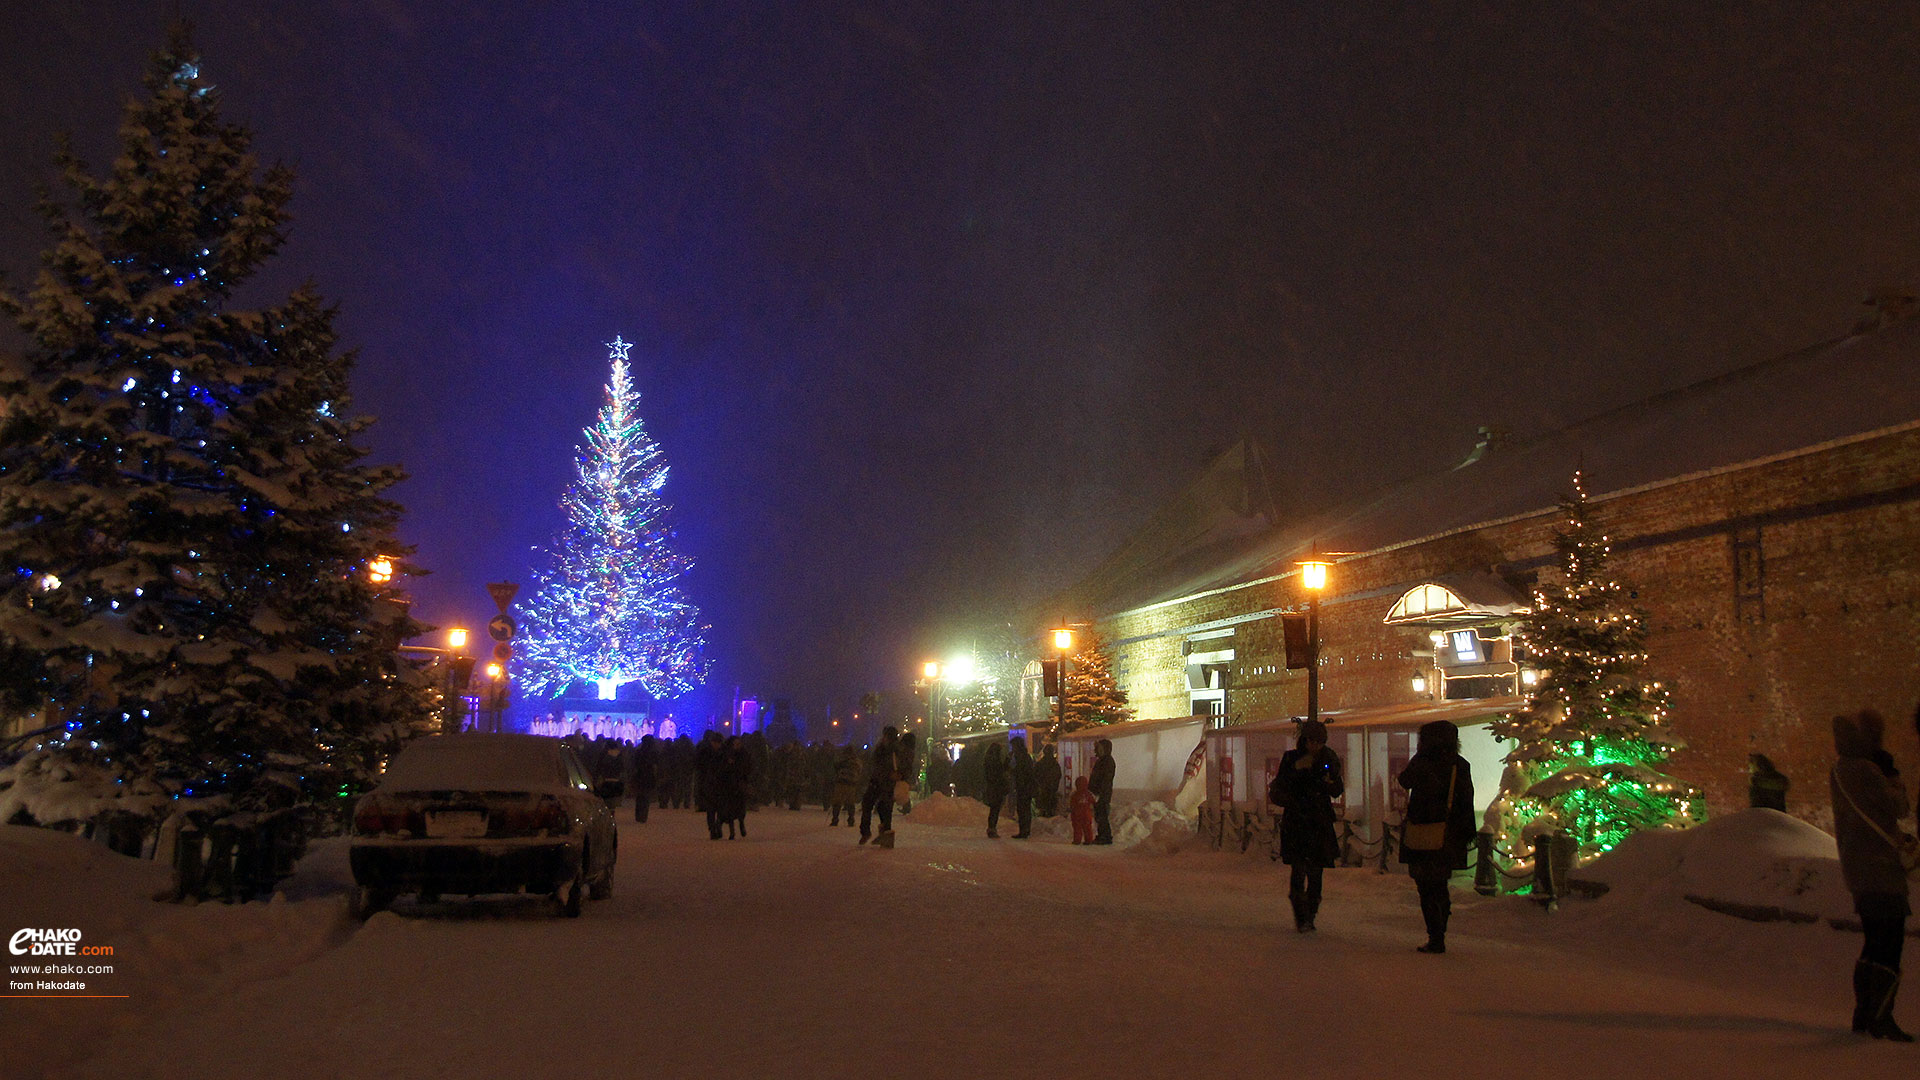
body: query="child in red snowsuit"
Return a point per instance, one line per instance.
(1081, 805)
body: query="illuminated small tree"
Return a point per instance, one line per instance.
(1594, 730)
(1093, 695)
(974, 707)
(608, 608)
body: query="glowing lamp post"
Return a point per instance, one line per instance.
(1062, 643)
(1313, 577)
(380, 570)
(457, 638)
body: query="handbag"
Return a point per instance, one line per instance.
(1907, 847)
(901, 792)
(1430, 835)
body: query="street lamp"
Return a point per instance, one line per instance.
(457, 638)
(380, 570)
(1062, 641)
(1313, 576)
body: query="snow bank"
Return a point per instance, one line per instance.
(1754, 858)
(1153, 827)
(53, 789)
(942, 809)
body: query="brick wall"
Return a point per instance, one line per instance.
(1778, 594)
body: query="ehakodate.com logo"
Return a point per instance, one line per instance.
(32, 941)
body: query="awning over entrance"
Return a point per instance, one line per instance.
(1457, 598)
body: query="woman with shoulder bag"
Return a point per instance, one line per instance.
(1438, 824)
(1868, 803)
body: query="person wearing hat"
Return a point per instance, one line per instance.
(1868, 803)
(1310, 778)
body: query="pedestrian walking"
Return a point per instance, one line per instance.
(708, 759)
(645, 774)
(1046, 781)
(1439, 787)
(1868, 803)
(1023, 775)
(846, 786)
(1080, 809)
(1101, 784)
(884, 764)
(736, 782)
(1766, 785)
(1308, 782)
(993, 786)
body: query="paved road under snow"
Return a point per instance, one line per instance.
(795, 953)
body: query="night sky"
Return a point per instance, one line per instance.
(935, 301)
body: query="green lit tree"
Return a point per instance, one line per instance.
(1093, 695)
(1593, 734)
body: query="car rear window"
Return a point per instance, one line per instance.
(477, 763)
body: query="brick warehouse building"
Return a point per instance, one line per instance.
(1768, 520)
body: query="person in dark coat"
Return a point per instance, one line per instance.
(1022, 772)
(846, 786)
(1046, 782)
(737, 767)
(708, 759)
(1766, 785)
(1439, 787)
(1868, 803)
(1310, 778)
(645, 774)
(1100, 782)
(884, 763)
(993, 786)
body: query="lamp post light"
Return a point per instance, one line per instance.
(1313, 576)
(1063, 643)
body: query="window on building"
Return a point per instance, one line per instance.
(1466, 646)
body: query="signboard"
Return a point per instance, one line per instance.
(501, 628)
(1226, 781)
(503, 593)
(503, 652)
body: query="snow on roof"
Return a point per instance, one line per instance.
(478, 762)
(1849, 387)
(1129, 727)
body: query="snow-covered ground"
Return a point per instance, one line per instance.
(795, 953)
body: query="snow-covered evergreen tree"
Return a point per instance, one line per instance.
(1093, 695)
(608, 609)
(973, 708)
(1594, 730)
(182, 509)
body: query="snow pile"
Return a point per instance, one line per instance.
(1153, 827)
(53, 789)
(942, 809)
(1761, 859)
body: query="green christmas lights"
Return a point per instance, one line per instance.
(1589, 743)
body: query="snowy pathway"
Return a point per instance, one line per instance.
(797, 954)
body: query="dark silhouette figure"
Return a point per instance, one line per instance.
(1310, 778)
(1766, 785)
(1439, 787)
(1046, 782)
(645, 773)
(1101, 784)
(993, 786)
(708, 759)
(884, 763)
(846, 786)
(1868, 803)
(1021, 767)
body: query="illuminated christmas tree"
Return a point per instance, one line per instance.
(187, 517)
(1594, 729)
(608, 608)
(1093, 695)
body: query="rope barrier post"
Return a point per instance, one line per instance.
(1486, 876)
(1543, 876)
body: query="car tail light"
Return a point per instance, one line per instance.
(547, 815)
(375, 816)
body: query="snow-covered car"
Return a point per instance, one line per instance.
(482, 813)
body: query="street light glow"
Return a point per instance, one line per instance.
(380, 570)
(931, 669)
(1063, 639)
(457, 638)
(959, 670)
(494, 671)
(1313, 574)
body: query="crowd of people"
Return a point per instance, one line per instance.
(725, 775)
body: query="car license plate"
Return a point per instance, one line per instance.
(457, 823)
